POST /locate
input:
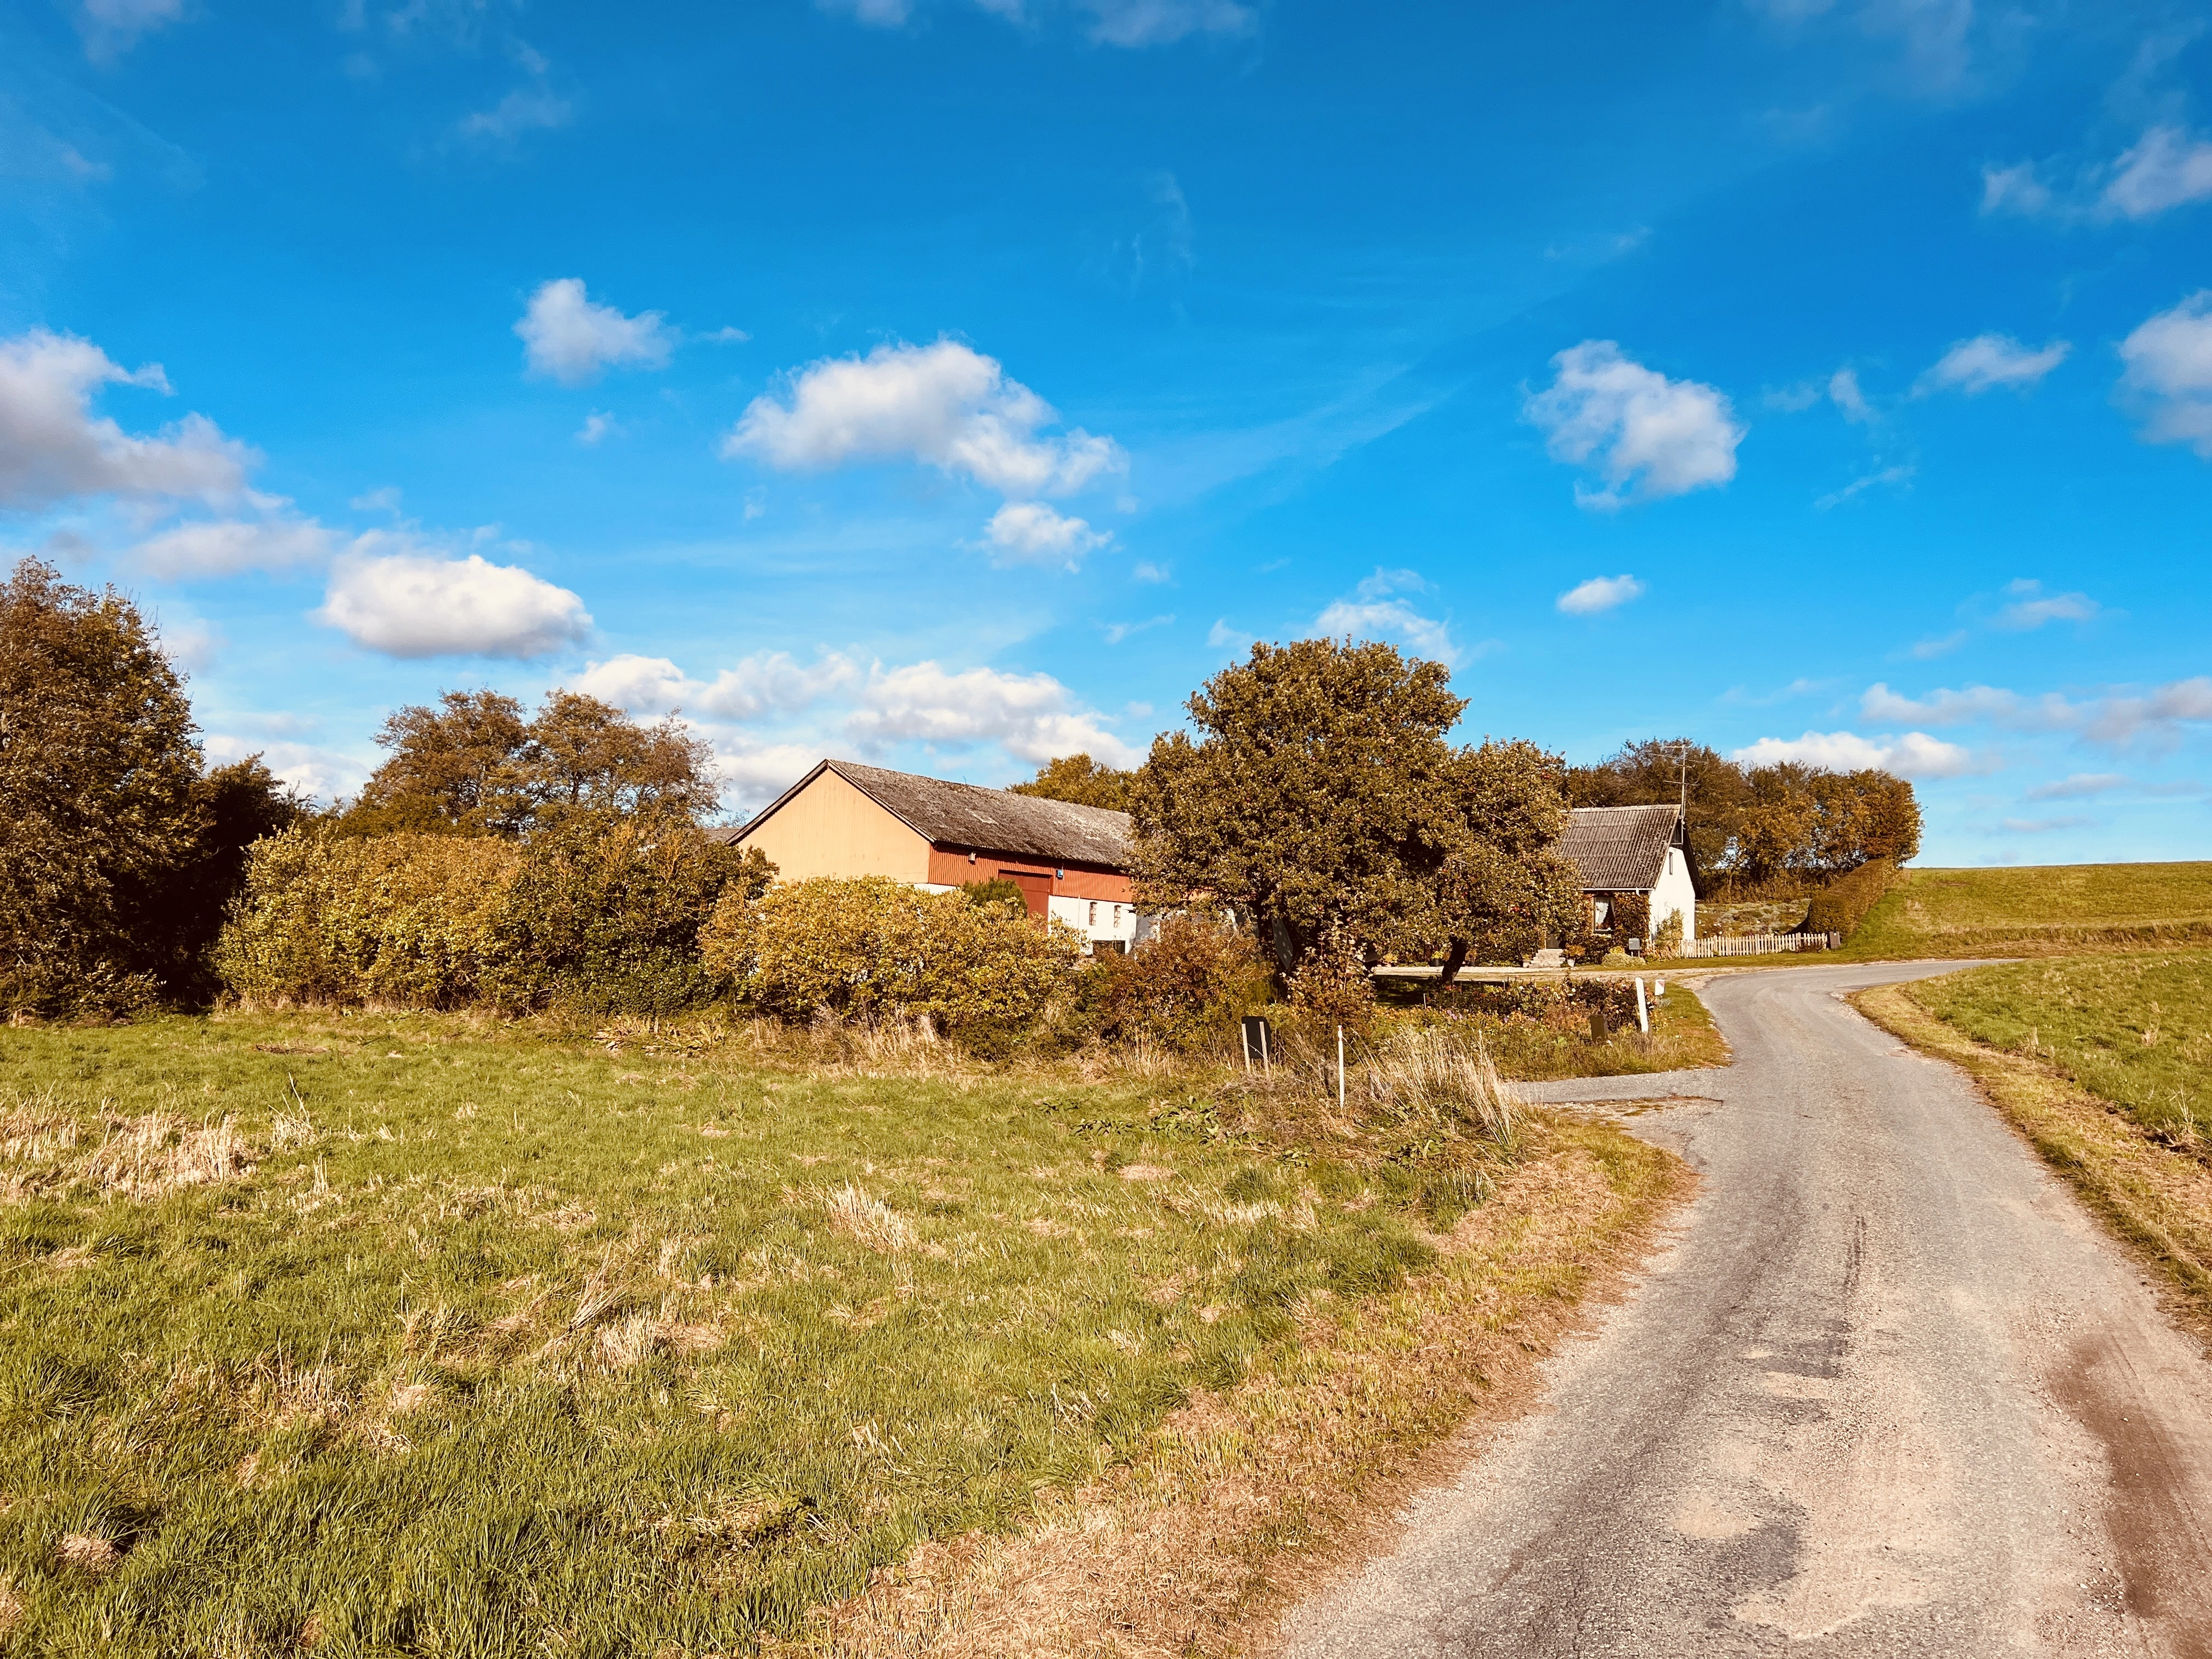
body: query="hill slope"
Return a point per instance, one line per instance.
(2040, 909)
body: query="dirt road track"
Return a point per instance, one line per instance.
(1889, 1391)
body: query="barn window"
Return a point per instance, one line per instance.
(1094, 913)
(1604, 913)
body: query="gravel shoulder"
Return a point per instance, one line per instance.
(1888, 1390)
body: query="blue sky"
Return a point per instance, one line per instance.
(957, 383)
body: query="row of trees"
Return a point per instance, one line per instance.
(1760, 824)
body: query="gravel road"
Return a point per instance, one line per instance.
(1889, 1390)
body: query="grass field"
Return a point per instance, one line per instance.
(2050, 909)
(2101, 1061)
(383, 1334)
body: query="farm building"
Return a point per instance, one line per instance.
(843, 819)
(1633, 853)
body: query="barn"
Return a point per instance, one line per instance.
(1635, 854)
(844, 819)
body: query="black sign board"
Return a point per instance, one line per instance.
(1259, 1040)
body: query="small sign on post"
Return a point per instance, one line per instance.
(1256, 1037)
(1597, 1025)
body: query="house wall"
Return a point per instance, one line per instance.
(1099, 904)
(1675, 894)
(831, 829)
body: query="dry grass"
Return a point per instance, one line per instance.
(1240, 1501)
(868, 1220)
(2155, 1196)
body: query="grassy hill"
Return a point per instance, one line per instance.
(2039, 910)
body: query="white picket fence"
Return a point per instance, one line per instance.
(1760, 944)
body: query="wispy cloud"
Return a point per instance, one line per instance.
(1117, 632)
(1375, 609)
(2117, 719)
(1598, 593)
(2169, 166)
(1990, 360)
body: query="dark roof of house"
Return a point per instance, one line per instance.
(970, 818)
(1621, 849)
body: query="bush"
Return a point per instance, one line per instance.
(401, 920)
(997, 890)
(605, 916)
(873, 947)
(597, 915)
(1182, 987)
(1333, 987)
(1842, 904)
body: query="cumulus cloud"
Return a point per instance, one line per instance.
(323, 774)
(2168, 379)
(768, 682)
(1914, 755)
(942, 404)
(566, 337)
(1646, 436)
(1030, 533)
(1373, 613)
(1598, 593)
(1031, 716)
(2116, 720)
(1988, 361)
(52, 447)
(412, 604)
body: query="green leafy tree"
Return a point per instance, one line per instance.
(1504, 889)
(1318, 797)
(1650, 773)
(472, 765)
(102, 796)
(1079, 779)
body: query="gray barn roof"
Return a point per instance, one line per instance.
(1621, 849)
(968, 817)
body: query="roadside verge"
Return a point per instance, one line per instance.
(2157, 1200)
(1242, 1500)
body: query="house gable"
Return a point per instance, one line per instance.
(823, 826)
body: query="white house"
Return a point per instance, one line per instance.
(1643, 851)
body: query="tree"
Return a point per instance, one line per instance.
(1079, 779)
(1504, 889)
(1319, 796)
(1650, 773)
(179, 913)
(473, 766)
(100, 792)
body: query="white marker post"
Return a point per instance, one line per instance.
(1339, 1068)
(1643, 1014)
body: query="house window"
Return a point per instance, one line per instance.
(1604, 917)
(1094, 913)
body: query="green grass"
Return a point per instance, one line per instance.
(477, 1344)
(2048, 909)
(2136, 1030)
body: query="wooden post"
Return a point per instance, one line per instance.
(1643, 1014)
(1339, 1068)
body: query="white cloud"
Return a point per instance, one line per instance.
(225, 547)
(1371, 613)
(1221, 634)
(1843, 393)
(1940, 646)
(325, 774)
(1117, 632)
(52, 447)
(566, 336)
(526, 109)
(878, 14)
(942, 404)
(2016, 189)
(1146, 571)
(2168, 168)
(1648, 436)
(2045, 826)
(2031, 607)
(1976, 365)
(1914, 755)
(1856, 486)
(111, 26)
(1598, 593)
(2169, 373)
(410, 603)
(2116, 720)
(768, 682)
(1031, 716)
(1030, 533)
(596, 426)
(1158, 23)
